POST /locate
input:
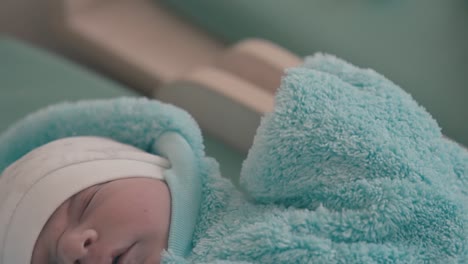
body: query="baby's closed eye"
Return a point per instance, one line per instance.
(81, 201)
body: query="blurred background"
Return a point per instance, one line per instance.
(421, 45)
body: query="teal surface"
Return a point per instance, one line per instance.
(230, 160)
(31, 79)
(421, 45)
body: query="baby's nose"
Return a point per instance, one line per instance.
(75, 245)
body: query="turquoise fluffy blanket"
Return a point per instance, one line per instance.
(346, 169)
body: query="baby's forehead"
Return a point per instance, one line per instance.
(112, 193)
(130, 179)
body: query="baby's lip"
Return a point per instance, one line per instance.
(122, 254)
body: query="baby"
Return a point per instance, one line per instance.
(90, 182)
(113, 204)
(346, 169)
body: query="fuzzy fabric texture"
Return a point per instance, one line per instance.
(138, 122)
(346, 169)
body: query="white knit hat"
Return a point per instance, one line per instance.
(33, 187)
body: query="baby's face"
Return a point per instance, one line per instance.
(122, 221)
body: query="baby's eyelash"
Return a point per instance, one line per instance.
(87, 200)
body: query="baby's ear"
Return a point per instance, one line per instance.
(334, 123)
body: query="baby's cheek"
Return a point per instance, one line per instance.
(150, 220)
(50, 234)
(39, 255)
